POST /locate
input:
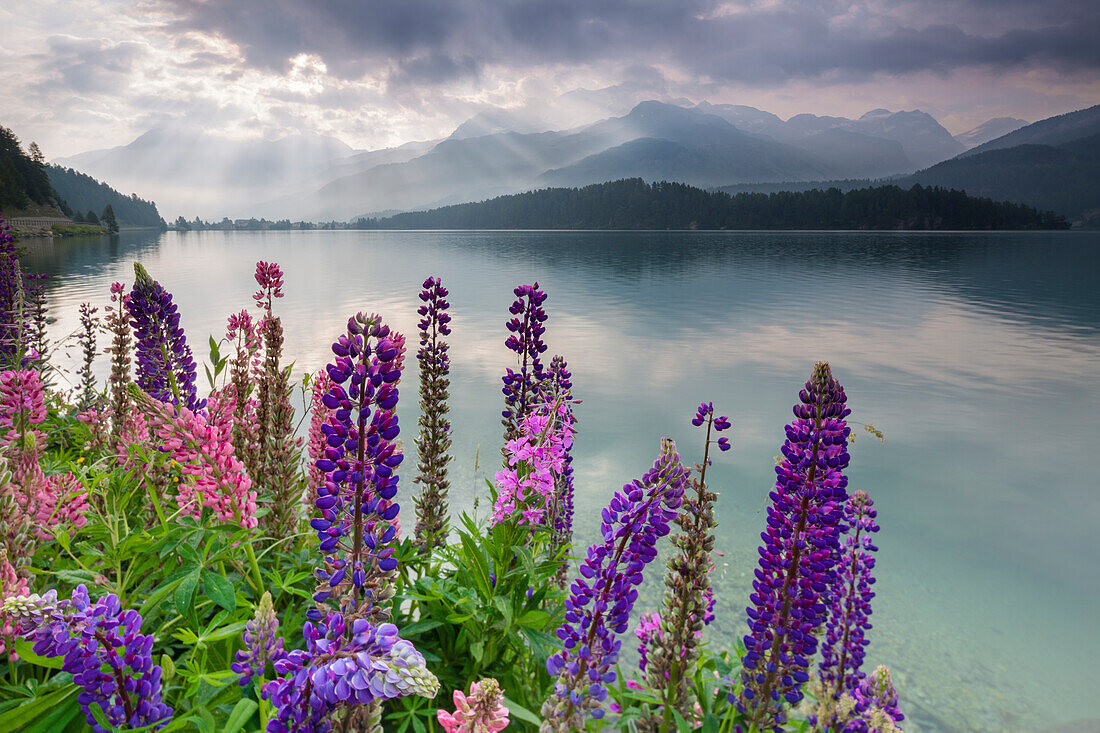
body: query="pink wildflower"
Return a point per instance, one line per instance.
(482, 711)
(96, 420)
(270, 279)
(204, 449)
(59, 505)
(11, 586)
(534, 460)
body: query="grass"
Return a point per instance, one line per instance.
(77, 229)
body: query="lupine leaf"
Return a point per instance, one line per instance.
(219, 590)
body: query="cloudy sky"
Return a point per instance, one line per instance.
(88, 74)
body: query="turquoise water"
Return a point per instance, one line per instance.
(975, 354)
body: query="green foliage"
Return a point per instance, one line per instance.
(1064, 178)
(634, 204)
(108, 219)
(23, 181)
(84, 193)
(77, 229)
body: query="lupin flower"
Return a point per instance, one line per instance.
(281, 449)
(22, 409)
(203, 447)
(673, 651)
(165, 367)
(11, 299)
(118, 323)
(244, 369)
(343, 665)
(270, 279)
(872, 707)
(261, 643)
(319, 416)
(35, 317)
(359, 465)
(434, 441)
(801, 544)
(482, 711)
(598, 608)
(527, 486)
(12, 585)
(849, 607)
(89, 324)
(558, 387)
(58, 505)
(105, 651)
(526, 327)
(352, 658)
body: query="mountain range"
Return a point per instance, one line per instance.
(500, 152)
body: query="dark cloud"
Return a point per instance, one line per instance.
(428, 42)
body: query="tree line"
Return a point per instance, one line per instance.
(634, 204)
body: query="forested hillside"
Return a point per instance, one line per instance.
(635, 204)
(23, 180)
(1064, 178)
(83, 193)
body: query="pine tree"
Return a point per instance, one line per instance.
(35, 154)
(109, 219)
(91, 218)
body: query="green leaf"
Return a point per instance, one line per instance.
(25, 650)
(225, 632)
(505, 609)
(167, 667)
(479, 567)
(185, 593)
(75, 577)
(100, 717)
(419, 627)
(219, 590)
(518, 711)
(478, 650)
(28, 712)
(241, 714)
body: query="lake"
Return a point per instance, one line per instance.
(976, 354)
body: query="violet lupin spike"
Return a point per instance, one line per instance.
(872, 707)
(434, 441)
(261, 643)
(849, 609)
(165, 367)
(598, 609)
(361, 456)
(103, 648)
(526, 327)
(343, 666)
(675, 647)
(352, 659)
(801, 545)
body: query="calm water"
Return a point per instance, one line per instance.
(976, 354)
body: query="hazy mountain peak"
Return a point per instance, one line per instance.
(875, 113)
(1051, 131)
(990, 130)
